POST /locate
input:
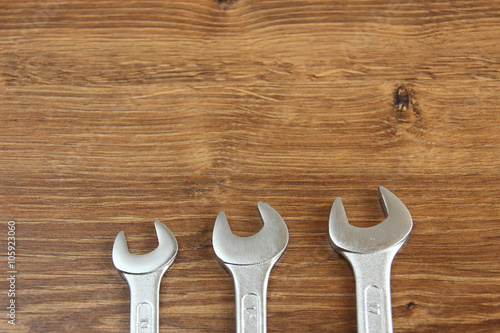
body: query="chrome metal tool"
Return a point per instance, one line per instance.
(143, 274)
(370, 252)
(249, 260)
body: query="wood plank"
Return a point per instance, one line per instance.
(115, 114)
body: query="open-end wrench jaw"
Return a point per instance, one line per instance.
(268, 244)
(394, 230)
(370, 252)
(143, 274)
(249, 260)
(163, 255)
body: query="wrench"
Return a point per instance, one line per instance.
(143, 274)
(370, 252)
(249, 260)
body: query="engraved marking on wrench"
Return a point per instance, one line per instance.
(144, 317)
(250, 307)
(374, 308)
(373, 298)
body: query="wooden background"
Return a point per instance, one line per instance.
(117, 113)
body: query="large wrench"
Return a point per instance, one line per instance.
(370, 252)
(249, 260)
(143, 274)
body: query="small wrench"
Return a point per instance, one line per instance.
(370, 252)
(249, 260)
(143, 274)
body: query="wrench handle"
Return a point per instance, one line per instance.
(250, 284)
(144, 301)
(372, 272)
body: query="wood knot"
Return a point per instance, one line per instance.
(402, 98)
(406, 120)
(225, 4)
(410, 306)
(405, 104)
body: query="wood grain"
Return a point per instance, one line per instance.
(114, 114)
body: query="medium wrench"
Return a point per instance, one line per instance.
(249, 260)
(370, 252)
(143, 274)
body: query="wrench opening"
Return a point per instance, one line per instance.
(163, 255)
(270, 242)
(393, 230)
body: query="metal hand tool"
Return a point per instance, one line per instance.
(143, 274)
(250, 260)
(370, 252)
